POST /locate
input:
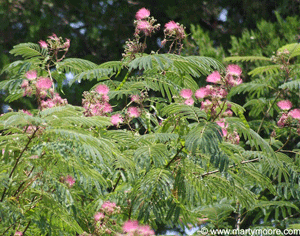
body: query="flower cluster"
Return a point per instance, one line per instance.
(144, 23)
(173, 32)
(287, 115)
(116, 119)
(131, 112)
(69, 180)
(43, 88)
(219, 88)
(96, 103)
(103, 220)
(55, 43)
(231, 137)
(55, 101)
(132, 228)
(212, 96)
(281, 57)
(29, 84)
(56, 47)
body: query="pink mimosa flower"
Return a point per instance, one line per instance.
(142, 14)
(105, 98)
(143, 25)
(234, 70)
(233, 81)
(102, 89)
(130, 226)
(202, 92)
(109, 207)
(171, 25)
(44, 83)
(31, 75)
(107, 108)
(295, 114)
(67, 43)
(189, 101)
(18, 233)
(285, 105)
(145, 230)
(214, 77)
(43, 44)
(25, 83)
(222, 124)
(282, 121)
(70, 180)
(116, 119)
(134, 112)
(186, 93)
(99, 216)
(53, 37)
(135, 98)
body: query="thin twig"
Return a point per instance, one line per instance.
(231, 166)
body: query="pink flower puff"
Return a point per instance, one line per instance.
(189, 101)
(295, 114)
(109, 207)
(99, 216)
(134, 112)
(31, 75)
(171, 25)
(43, 44)
(143, 25)
(25, 83)
(44, 83)
(70, 180)
(67, 43)
(186, 93)
(202, 93)
(283, 120)
(142, 14)
(130, 226)
(18, 233)
(133, 228)
(107, 107)
(214, 77)
(234, 70)
(116, 119)
(135, 98)
(285, 105)
(221, 123)
(102, 89)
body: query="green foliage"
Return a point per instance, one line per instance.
(168, 163)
